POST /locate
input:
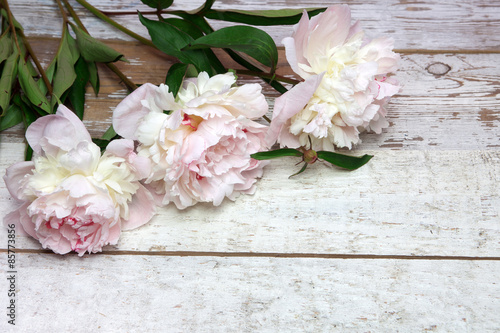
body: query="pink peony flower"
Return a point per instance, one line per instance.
(73, 198)
(200, 142)
(346, 83)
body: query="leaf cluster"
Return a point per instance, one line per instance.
(188, 36)
(340, 160)
(28, 91)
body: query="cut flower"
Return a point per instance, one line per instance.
(347, 84)
(73, 198)
(200, 142)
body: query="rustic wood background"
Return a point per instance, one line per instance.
(408, 243)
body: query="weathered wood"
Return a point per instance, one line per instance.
(447, 101)
(422, 25)
(430, 191)
(406, 202)
(209, 294)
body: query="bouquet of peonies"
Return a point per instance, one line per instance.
(196, 138)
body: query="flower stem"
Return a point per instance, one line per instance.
(115, 24)
(267, 76)
(37, 63)
(28, 47)
(131, 85)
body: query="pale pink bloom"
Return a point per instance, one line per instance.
(200, 142)
(74, 199)
(354, 86)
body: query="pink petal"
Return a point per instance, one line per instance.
(121, 148)
(127, 114)
(78, 186)
(124, 148)
(51, 133)
(328, 30)
(289, 104)
(141, 209)
(15, 176)
(23, 224)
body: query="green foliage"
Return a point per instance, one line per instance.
(171, 40)
(252, 41)
(7, 79)
(158, 4)
(175, 76)
(268, 155)
(93, 50)
(344, 161)
(262, 17)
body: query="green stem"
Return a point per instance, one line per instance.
(267, 76)
(120, 27)
(131, 85)
(74, 15)
(63, 13)
(28, 47)
(11, 24)
(37, 63)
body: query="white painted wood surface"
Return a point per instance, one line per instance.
(122, 293)
(329, 251)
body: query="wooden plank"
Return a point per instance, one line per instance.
(405, 202)
(447, 101)
(209, 294)
(422, 25)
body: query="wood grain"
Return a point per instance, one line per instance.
(189, 294)
(402, 203)
(421, 25)
(447, 101)
(327, 251)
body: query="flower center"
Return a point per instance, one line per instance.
(191, 121)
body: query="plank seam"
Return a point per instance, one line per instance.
(269, 255)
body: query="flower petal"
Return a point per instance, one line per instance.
(127, 114)
(15, 177)
(289, 104)
(61, 131)
(141, 209)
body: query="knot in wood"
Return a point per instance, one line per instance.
(438, 68)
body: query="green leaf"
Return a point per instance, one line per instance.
(49, 72)
(186, 26)
(12, 117)
(65, 73)
(158, 4)
(300, 171)
(262, 17)
(5, 47)
(7, 80)
(72, 46)
(236, 57)
(29, 116)
(171, 40)
(24, 53)
(267, 155)
(190, 25)
(252, 41)
(94, 76)
(31, 89)
(17, 25)
(101, 143)
(93, 50)
(77, 91)
(344, 161)
(175, 77)
(110, 134)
